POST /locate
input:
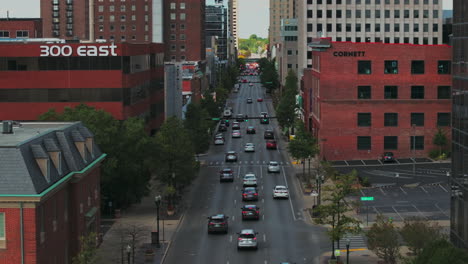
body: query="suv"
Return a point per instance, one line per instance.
(235, 126)
(231, 156)
(249, 194)
(264, 118)
(269, 134)
(218, 223)
(273, 166)
(226, 175)
(247, 239)
(250, 211)
(251, 130)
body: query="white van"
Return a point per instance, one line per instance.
(227, 113)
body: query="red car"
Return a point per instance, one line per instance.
(244, 80)
(271, 144)
(259, 99)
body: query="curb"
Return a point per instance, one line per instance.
(170, 242)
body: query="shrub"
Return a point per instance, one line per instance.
(433, 154)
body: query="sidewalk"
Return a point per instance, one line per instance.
(140, 220)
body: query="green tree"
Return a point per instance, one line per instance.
(333, 211)
(210, 105)
(418, 233)
(303, 145)
(382, 238)
(198, 127)
(87, 253)
(440, 140)
(286, 110)
(175, 154)
(441, 251)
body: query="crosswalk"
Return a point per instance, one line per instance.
(242, 162)
(355, 241)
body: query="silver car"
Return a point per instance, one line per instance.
(249, 147)
(236, 134)
(247, 239)
(250, 179)
(273, 166)
(219, 141)
(280, 191)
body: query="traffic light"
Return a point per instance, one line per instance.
(246, 118)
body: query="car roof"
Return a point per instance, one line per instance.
(218, 216)
(281, 186)
(231, 152)
(247, 231)
(273, 162)
(249, 175)
(250, 206)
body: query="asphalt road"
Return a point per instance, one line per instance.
(283, 233)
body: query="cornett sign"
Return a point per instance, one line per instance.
(82, 50)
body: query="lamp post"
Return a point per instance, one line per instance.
(448, 178)
(157, 201)
(414, 149)
(129, 250)
(397, 175)
(347, 250)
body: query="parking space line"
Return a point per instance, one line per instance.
(363, 162)
(440, 209)
(403, 191)
(362, 192)
(383, 192)
(418, 211)
(346, 162)
(380, 162)
(424, 190)
(440, 185)
(397, 161)
(393, 207)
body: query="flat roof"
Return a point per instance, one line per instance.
(26, 131)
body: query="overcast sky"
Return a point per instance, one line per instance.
(253, 14)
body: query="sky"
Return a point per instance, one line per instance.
(253, 14)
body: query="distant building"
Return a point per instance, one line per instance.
(50, 191)
(18, 28)
(459, 179)
(216, 27)
(116, 21)
(286, 54)
(233, 22)
(279, 10)
(364, 99)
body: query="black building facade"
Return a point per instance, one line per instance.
(216, 25)
(459, 179)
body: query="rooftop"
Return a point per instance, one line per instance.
(29, 130)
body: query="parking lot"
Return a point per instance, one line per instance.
(374, 162)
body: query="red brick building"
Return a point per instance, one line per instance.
(20, 28)
(125, 79)
(117, 21)
(184, 30)
(361, 99)
(50, 193)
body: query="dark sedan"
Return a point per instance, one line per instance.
(249, 194)
(251, 130)
(226, 175)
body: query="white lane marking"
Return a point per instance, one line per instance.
(382, 191)
(263, 217)
(418, 211)
(362, 192)
(263, 200)
(290, 202)
(424, 190)
(233, 218)
(393, 207)
(261, 172)
(403, 191)
(277, 149)
(265, 262)
(258, 162)
(230, 240)
(237, 188)
(238, 172)
(235, 201)
(442, 187)
(262, 187)
(440, 209)
(264, 238)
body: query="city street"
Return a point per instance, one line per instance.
(283, 235)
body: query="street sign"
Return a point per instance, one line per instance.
(367, 198)
(215, 119)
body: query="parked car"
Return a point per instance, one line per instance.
(250, 211)
(280, 191)
(251, 130)
(247, 239)
(249, 180)
(231, 156)
(226, 175)
(218, 223)
(259, 99)
(249, 194)
(388, 157)
(271, 144)
(273, 166)
(269, 134)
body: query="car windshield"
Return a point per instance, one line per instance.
(388, 154)
(250, 207)
(247, 236)
(280, 188)
(273, 163)
(216, 220)
(249, 190)
(249, 177)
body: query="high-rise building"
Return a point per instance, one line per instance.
(216, 26)
(184, 30)
(279, 9)
(286, 50)
(459, 179)
(396, 21)
(118, 21)
(233, 25)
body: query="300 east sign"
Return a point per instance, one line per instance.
(82, 51)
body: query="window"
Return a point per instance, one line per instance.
(173, 16)
(133, 17)
(417, 142)
(111, 8)
(338, 14)
(443, 67)
(122, 8)
(417, 119)
(377, 27)
(122, 38)
(100, 8)
(172, 36)
(358, 29)
(101, 18)
(364, 67)
(364, 119)
(387, 13)
(417, 92)
(435, 13)
(182, 16)
(182, 47)
(368, 28)
(377, 13)
(406, 13)
(289, 52)
(348, 13)
(182, 5)
(358, 13)
(391, 67)
(443, 92)
(396, 13)
(122, 28)
(368, 13)
(182, 36)
(309, 27)
(391, 92)
(391, 119)
(417, 67)
(425, 13)
(363, 143)
(338, 29)
(133, 7)
(443, 119)
(2, 227)
(123, 17)
(4, 34)
(387, 27)
(309, 14)
(182, 26)
(289, 66)
(173, 26)
(390, 142)
(319, 27)
(319, 14)
(329, 28)
(406, 28)
(348, 28)
(173, 47)
(416, 13)
(364, 92)
(146, 8)
(173, 5)
(435, 28)
(22, 34)
(329, 14)
(111, 18)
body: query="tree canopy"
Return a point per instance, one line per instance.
(198, 127)
(382, 238)
(441, 251)
(286, 109)
(252, 45)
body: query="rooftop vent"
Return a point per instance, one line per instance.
(7, 127)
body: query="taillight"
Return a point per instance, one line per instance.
(254, 238)
(255, 194)
(244, 212)
(256, 211)
(210, 224)
(239, 239)
(244, 194)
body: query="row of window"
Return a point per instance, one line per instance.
(391, 92)
(377, 13)
(174, 47)
(390, 142)
(173, 5)
(122, 28)
(123, 38)
(367, 27)
(172, 37)
(182, 16)
(391, 119)
(122, 18)
(405, 40)
(19, 34)
(182, 58)
(391, 67)
(123, 8)
(174, 26)
(369, 2)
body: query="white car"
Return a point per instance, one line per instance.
(249, 147)
(280, 191)
(227, 112)
(219, 141)
(247, 239)
(236, 134)
(273, 166)
(250, 179)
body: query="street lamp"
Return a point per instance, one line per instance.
(157, 201)
(448, 177)
(397, 175)
(129, 249)
(347, 250)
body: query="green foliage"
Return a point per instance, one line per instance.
(441, 251)
(87, 254)
(125, 172)
(286, 110)
(382, 238)
(303, 145)
(210, 105)
(418, 233)
(268, 74)
(253, 44)
(334, 208)
(440, 140)
(174, 153)
(198, 127)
